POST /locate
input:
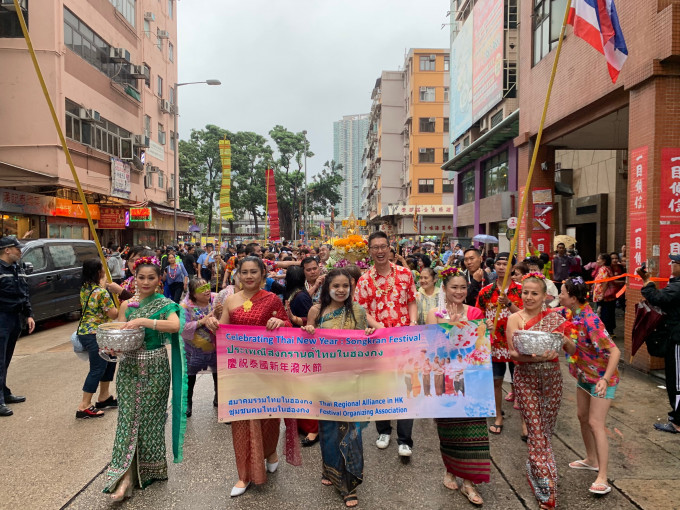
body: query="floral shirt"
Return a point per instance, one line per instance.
(94, 308)
(487, 302)
(387, 297)
(602, 273)
(593, 345)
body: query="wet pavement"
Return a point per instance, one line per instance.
(50, 460)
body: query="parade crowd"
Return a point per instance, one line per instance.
(180, 295)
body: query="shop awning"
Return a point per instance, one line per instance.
(17, 176)
(171, 212)
(507, 129)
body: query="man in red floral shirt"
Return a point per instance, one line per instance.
(511, 302)
(388, 293)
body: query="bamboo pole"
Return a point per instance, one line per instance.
(62, 139)
(532, 166)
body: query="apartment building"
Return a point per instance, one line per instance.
(110, 67)
(349, 138)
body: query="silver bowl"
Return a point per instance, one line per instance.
(111, 337)
(537, 342)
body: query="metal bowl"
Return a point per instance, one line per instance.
(537, 342)
(112, 336)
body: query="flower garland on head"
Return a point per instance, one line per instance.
(534, 274)
(134, 300)
(452, 271)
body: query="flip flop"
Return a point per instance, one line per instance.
(600, 488)
(579, 464)
(666, 427)
(499, 427)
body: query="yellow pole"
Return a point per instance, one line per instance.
(219, 250)
(83, 199)
(539, 135)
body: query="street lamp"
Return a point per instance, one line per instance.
(306, 222)
(175, 184)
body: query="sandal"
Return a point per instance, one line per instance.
(351, 500)
(666, 427)
(471, 493)
(450, 482)
(510, 397)
(499, 429)
(90, 412)
(325, 481)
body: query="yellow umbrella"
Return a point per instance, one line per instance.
(568, 241)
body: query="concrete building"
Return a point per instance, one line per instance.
(110, 68)
(484, 117)
(634, 121)
(349, 137)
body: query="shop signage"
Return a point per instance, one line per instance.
(140, 214)
(156, 150)
(26, 203)
(638, 246)
(65, 207)
(512, 222)
(427, 210)
(120, 179)
(637, 210)
(487, 56)
(670, 185)
(111, 218)
(669, 237)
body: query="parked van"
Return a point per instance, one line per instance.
(54, 268)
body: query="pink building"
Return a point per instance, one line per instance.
(110, 67)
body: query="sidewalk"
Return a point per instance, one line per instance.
(51, 461)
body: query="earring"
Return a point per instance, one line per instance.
(240, 286)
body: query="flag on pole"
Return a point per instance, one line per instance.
(272, 207)
(225, 190)
(597, 23)
(415, 219)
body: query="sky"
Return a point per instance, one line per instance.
(299, 63)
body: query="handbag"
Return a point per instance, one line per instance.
(75, 341)
(650, 328)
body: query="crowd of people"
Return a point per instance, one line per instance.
(180, 295)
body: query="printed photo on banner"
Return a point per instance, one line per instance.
(435, 371)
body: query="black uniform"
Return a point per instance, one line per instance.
(15, 307)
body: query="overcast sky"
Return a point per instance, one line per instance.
(299, 63)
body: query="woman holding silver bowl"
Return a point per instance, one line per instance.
(535, 334)
(143, 385)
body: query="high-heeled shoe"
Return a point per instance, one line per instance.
(127, 493)
(271, 467)
(237, 491)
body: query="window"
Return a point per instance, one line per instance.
(427, 62)
(547, 23)
(456, 149)
(126, 8)
(427, 94)
(62, 255)
(446, 94)
(35, 256)
(161, 180)
(467, 183)
(9, 23)
(466, 141)
(147, 126)
(426, 156)
(495, 174)
(446, 124)
(147, 78)
(510, 79)
(172, 141)
(147, 28)
(510, 14)
(161, 134)
(445, 155)
(171, 95)
(170, 8)
(425, 185)
(159, 44)
(80, 39)
(427, 124)
(447, 185)
(447, 63)
(171, 52)
(159, 85)
(104, 136)
(496, 118)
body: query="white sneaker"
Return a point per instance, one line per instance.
(383, 441)
(405, 450)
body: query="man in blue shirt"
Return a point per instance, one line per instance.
(206, 261)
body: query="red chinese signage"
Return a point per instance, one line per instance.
(140, 214)
(111, 218)
(670, 185)
(638, 182)
(541, 241)
(637, 249)
(669, 245)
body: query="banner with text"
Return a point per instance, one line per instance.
(436, 371)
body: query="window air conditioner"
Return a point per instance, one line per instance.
(90, 115)
(9, 5)
(119, 55)
(483, 124)
(163, 34)
(154, 170)
(142, 141)
(432, 119)
(422, 151)
(165, 105)
(137, 71)
(149, 16)
(171, 194)
(433, 57)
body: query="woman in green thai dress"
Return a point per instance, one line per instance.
(341, 447)
(143, 385)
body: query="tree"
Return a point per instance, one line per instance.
(324, 190)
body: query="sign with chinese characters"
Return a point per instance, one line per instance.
(140, 214)
(669, 240)
(670, 185)
(156, 150)
(427, 210)
(12, 201)
(65, 207)
(541, 241)
(344, 375)
(638, 247)
(120, 179)
(637, 194)
(111, 218)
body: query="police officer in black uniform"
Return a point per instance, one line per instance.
(14, 307)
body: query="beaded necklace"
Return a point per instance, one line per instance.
(390, 280)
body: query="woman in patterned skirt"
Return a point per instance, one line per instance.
(255, 441)
(143, 385)
(538, 385)
(464, 442)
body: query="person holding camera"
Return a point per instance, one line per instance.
(668, 299)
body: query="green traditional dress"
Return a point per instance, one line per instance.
(143, 385)
(341, 446)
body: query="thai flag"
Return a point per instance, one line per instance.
(596, 22)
